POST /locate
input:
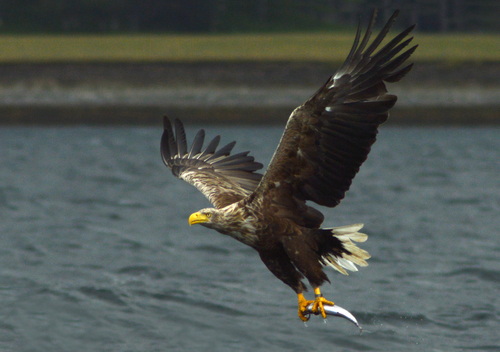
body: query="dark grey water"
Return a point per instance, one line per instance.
(96, 253)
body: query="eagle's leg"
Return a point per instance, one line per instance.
(303, 303)
(319, 301)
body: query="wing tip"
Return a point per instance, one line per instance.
(167, 122)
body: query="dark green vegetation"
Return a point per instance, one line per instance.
(202, 16)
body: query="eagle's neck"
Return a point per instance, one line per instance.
(236, 221)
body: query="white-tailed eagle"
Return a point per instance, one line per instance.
(325, 141)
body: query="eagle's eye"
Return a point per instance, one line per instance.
(209, 215)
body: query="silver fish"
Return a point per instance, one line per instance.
(336, 311)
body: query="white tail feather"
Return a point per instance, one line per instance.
(356, 255)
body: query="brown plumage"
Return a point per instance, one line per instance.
(324, 143)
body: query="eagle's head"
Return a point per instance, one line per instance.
(208, 217)
(228, 221)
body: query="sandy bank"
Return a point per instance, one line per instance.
(233, 92)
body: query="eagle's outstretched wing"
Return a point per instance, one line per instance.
(221, 177)
(328, 137)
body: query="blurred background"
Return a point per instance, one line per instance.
(130, 62)
(220, 16)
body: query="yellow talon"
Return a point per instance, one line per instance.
(319, 302)
(303, 303)
(317, 307)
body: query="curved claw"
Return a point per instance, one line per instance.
(318, 306)
(303, 304)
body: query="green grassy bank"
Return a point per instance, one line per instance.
(323, 47)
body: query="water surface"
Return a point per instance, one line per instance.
(96, 253)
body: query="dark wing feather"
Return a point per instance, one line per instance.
(221, 177)
(197, 144)
(328, 138)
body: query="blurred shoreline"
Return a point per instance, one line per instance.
(229, 92)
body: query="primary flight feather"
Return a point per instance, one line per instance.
(325, 141)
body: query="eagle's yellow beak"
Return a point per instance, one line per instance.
(197, 218)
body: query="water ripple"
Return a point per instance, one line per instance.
(480, 273)
(102, 294)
